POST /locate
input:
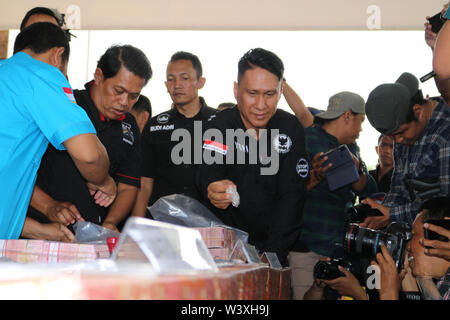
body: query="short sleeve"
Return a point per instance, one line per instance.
(55, 112)
(129, 171)
(447, 14)
(148, 153)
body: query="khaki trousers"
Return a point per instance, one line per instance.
(302, 264)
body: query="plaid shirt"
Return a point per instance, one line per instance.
(443, 286)
(428, 157)
(325, 211)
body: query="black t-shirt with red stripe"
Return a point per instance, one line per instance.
(59, 177)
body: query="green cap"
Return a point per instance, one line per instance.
(341, 102)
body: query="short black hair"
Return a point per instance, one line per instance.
(196, 64)
(437, 208)
(132, 58)
(261, 58)
(43, 10)
(226, 105)
(143, 104)
(416, 99)
(41, 37)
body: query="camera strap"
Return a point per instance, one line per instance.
(423, 189)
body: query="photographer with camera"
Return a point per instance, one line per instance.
(421, 130)
(330, 274)
(399, 255)
(424, 267)
(325, 211)
(348, 274)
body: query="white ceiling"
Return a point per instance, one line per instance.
(233, 14)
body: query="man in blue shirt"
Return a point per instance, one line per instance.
(421, 132)
(38, 108)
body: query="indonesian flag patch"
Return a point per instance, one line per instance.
(215, 146)
(69, 94)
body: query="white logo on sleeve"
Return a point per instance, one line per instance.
(302, 168)
(282, 143)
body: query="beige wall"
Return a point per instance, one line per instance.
(235, 14)
(3, 44)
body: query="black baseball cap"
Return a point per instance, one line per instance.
(388, 104)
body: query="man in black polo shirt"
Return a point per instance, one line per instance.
(383, 172)
(164, 174)
(121, 74)
(271, 182)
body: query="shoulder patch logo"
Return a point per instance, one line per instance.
(302, 168)
(163, 118)
(282, 143)
(128, 135)
(69, 94)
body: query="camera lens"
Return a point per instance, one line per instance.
(320, 270)
(364, 242)
(327, 270)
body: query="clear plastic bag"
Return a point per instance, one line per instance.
(88, 232)
(185, 211)
(169, 248)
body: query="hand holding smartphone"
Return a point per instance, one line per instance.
(436, 21)
(431, 235)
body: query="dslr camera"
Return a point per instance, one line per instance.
(360, 212)
(366, 243)
(328, 270)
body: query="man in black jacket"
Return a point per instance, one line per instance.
(258, 153)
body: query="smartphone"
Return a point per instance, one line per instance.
(431, 235)
(436, 22)
(343, 171)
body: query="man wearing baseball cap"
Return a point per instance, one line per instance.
(325, 211)
(421, 131)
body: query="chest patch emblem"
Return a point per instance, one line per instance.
(163, 118)
(282, 143)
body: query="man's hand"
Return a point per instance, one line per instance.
(347, 285)
(217, 193)
(390, 279)
(110, 225)
(317, 173)
(376, 222)
(438, 248)
(430, 36)
(63, 212)
(57, 232)
(46, 231)
(105, 194)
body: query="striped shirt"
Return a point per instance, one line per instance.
(428, 157)
(443, 286)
